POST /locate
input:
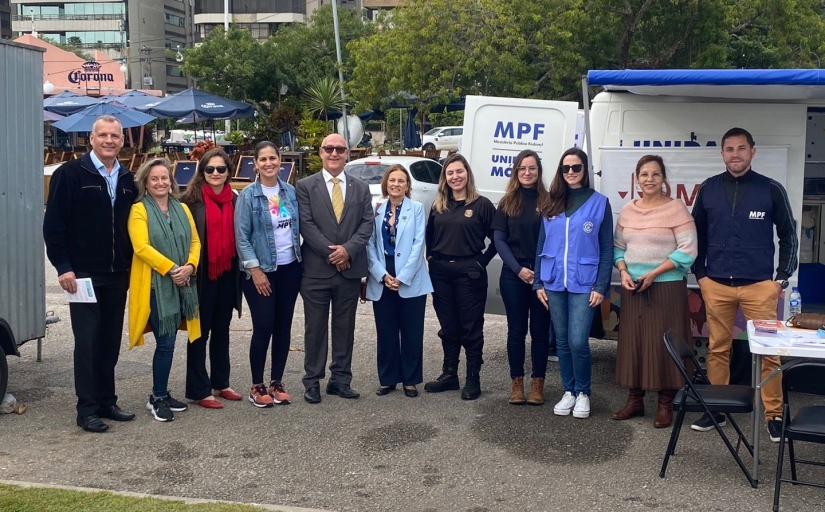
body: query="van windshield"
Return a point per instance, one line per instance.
(433, 131)
(372, 174)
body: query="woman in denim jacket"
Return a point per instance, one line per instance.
(266, 234)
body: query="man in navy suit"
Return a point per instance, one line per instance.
(336, 223)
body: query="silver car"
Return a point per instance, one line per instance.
(425, 173)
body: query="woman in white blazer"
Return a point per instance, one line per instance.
(398, 284)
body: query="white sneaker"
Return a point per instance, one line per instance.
(553, 359)
(565, 405)
(582, 408)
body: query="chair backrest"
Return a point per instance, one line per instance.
(807, 378)
(184, 172)
(246, 168)
(432, 154)
(678, 351)
(685, 352)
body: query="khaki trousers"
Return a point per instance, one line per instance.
(758, 302)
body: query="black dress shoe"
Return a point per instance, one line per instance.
(313, 395)
(91, 423)
(342, 390)
(412, 393)
(113, 412)
(383, 390)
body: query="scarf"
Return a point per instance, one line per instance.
(220, 230)
(171, 237)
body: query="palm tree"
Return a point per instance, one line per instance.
(322, 96)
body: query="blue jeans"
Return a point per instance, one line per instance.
(164, 350)
(572, 315)
(522, 307)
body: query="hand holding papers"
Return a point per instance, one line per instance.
(85, 291)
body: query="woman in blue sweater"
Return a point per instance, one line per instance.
(574, 258)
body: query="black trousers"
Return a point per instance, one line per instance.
(98, 330)
(272, 320)
(459, 297)
(523, 306)
(318, 295)
(217, 301)
(399, 324)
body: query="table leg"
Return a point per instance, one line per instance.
(756, 417)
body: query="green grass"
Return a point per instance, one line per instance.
(22, 499)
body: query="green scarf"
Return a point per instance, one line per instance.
(172, 238)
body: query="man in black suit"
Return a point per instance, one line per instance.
(86, 237)
(336, 222)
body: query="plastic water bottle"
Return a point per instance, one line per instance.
(794, 302)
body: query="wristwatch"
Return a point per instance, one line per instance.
(783, 283)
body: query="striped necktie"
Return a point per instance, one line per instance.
(337, 199)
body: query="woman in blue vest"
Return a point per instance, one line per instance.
(574, 258)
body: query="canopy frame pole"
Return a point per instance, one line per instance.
(587, 138)
(340, 73)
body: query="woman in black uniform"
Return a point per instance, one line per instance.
(459, 222)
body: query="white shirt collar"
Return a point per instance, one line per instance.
(328, 177)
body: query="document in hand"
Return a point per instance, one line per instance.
(85, 291)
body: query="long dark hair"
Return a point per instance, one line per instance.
(511, 202)
(194, 191)
(558, 199)
(444, 193)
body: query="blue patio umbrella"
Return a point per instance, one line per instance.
(412, 139)
(199, 106)
(137, 99)
(85, 119)
(49, 117)
(67, 103)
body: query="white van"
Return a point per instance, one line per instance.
(681, 115)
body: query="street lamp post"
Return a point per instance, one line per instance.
(340, 69)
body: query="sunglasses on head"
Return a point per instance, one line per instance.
(576, 168)
(210, 169)
(334, 149)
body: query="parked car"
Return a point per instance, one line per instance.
(425, 173)
(443, 138)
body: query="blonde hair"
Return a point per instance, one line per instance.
(444, 193)
(386, 178)
(142, 175)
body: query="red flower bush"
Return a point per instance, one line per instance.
(200, 149)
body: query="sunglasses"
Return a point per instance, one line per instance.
(576, 168)
(391, 231)
(334, 149)
(210, 169)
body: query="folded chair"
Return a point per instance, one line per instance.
(699, 395)
(808, 425)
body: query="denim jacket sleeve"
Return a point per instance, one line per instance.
(243, 230)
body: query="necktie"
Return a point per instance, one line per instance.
(337, 199)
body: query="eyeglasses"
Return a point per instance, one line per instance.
(334, 149)
(531, 169)
(210, 169)
(576, 168)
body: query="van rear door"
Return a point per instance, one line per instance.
(496, 130)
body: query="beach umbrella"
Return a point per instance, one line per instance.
(50, 117)
(67, 103)
(138, 100)
(412, 139)
(198, 106)
(84, 120)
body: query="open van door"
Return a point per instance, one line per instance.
(498, 129)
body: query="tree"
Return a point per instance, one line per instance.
(69, 47)
(323, 96)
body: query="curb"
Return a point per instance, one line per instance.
(188, 501)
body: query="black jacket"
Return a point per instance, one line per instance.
(82, 231)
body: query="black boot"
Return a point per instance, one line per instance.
(446, 381)
(472, 388)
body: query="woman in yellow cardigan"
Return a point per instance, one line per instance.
(163, 294)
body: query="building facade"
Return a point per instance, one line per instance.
(261, 17)
(5, 20)
(137, 32)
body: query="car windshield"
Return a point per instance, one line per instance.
(433, 131)
(371, 173)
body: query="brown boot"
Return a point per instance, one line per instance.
(635, 405)
(536, 396)
(664, 412)
(517, 391)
